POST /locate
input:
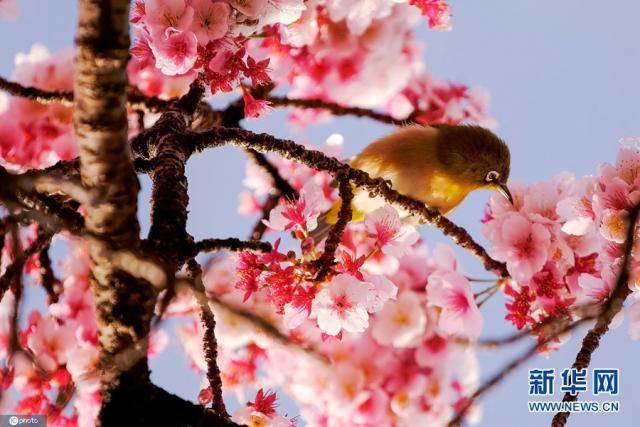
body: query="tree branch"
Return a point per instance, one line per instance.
(612, 307)
(124, 304)
(376, 186)
(210, 343)
(327, 259)
(231, 244)
(135, 98)
(337, 109)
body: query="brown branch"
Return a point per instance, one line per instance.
(490, 383)
(135, 98)
(376, 186)
(47, 278)
(35, 94)
(231, 244)
(263, 325)
(327, 259)
(281, 185)
(14, 270)
(124, 304)
(611, 308)
(210, 343)
(337, 109)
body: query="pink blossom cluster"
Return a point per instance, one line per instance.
(364, 54)
(56, 373)
(62, 349)
(37, 135)
(34, 134)
(388, 296)
(562, 240)
(353, 52)
(421, 370)
(183, 37)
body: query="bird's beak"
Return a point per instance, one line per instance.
(504, 190)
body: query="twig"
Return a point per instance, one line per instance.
(337, 109)
(613, 305)
(232, 244)
(210, 343)
(507, 369)
(327, 259)
(47, 278)
(280, 184)
(136, 99)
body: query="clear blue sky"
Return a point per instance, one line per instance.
(563, 76)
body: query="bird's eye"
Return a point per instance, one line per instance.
(492, 176)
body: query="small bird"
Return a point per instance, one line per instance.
(437, 164)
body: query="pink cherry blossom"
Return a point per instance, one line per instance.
(459, 313)
(596, 288)
(262, 412)
(382, 289)
(522, 244)
(301, 215)
(210, 21)
(437, 12)
(49, 342)
(342, 306)
(402, 322)
(167, 15)
(391, 236)
(254, 108)
(282, 12)
(176, 53)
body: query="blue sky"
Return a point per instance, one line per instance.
(563, 76)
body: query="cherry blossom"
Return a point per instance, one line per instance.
(300, 215)
(163, 16)
(261, 412)
(522, 244)
(211, 20)
(459, 313)
(342, 305)
(401, 323)
(385, 226)
(176, 53)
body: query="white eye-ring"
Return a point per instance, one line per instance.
(492, 176)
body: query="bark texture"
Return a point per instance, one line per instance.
(124, 304)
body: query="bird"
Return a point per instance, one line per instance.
(437, 164)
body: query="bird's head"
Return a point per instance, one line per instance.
(474, 155)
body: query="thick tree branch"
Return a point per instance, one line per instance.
(124, 304)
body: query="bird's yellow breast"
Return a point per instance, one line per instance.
(443, 192)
